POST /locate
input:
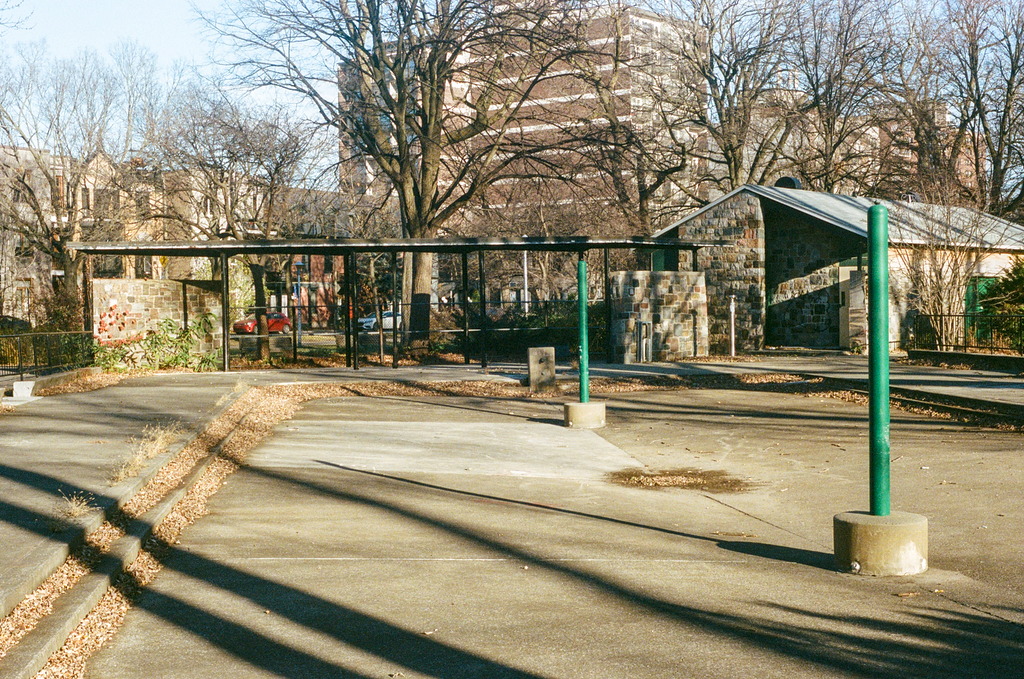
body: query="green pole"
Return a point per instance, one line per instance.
(878, 357)
(581, 287)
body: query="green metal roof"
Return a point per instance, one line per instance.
(910, 223)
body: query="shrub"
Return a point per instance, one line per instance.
(168, 346)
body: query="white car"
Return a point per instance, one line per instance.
(387, 321)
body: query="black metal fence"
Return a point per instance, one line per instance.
(505, 330)
(44, 352)
(985, 333)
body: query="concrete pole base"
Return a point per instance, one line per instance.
(880, 545)
(584, 415)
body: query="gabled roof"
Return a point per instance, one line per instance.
(909, 223)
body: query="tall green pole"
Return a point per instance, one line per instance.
(878, 357)
(581, 287)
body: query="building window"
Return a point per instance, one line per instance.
(108, 201)
(22, 247)
(143, 266)
(141, 204)
(107, 266)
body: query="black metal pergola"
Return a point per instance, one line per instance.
(349, 248)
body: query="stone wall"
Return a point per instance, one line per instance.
(736, 268)
(128, 308)
(673, 302)
(802, 279)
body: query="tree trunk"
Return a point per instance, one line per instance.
(64, 308)
(260, 301)
(419, 313)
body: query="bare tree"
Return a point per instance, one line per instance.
(938, 251)
(9, 15)
(242, 173)
(925, 120)
(986, 47)
(62, 135)
(835, 55)
(636, 137)
(434, 94)
(731, 57)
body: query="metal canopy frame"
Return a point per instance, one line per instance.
(350, 247)
(336, 246)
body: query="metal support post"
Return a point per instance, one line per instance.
(732, 326)
(225, 322)
(526, 284)
(878, 357)
(609, 348)
(396, 310)
(87, 294)
(346, 279)
(464, 299)
(353, 315)
(483, 309)
(581, 294)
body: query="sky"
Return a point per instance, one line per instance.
(168, 27)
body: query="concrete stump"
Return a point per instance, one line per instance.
(880, 545)
(23, 389)
(541, 362)
(585, 415)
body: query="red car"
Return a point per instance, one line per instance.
(276, 322)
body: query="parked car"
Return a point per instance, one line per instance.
(387, 321)
(276, 322)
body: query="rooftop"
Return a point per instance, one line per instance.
(910, 223)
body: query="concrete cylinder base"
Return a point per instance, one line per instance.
(584, 415)
(880, 545)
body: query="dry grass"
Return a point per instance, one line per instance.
(707, 480)
(73, 506)
(155, 440)
(67, 509)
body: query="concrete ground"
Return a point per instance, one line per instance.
(68, 447)
(464, 537)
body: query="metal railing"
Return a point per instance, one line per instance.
(44, 352)
(985, 333)
(506, 329)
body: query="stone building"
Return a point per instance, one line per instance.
(796, 261)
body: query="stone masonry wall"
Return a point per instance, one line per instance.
(129, 308)
(802, 279)
(736, 268)
(673, 302)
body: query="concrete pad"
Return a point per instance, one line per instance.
(306, 571)
(505, 447)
